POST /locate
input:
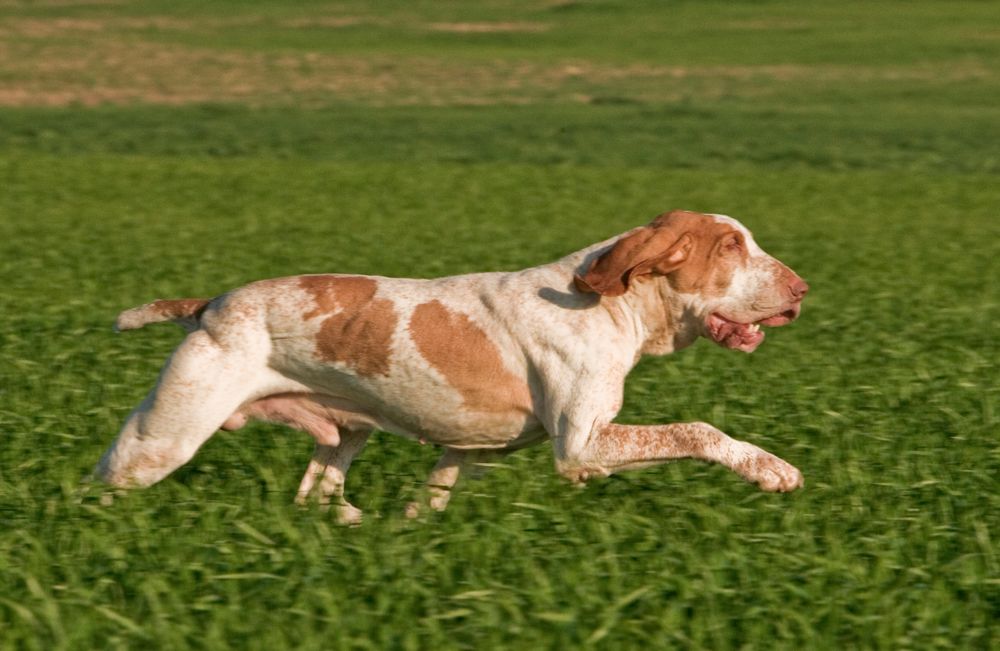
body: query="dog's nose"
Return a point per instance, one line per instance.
(798, 288)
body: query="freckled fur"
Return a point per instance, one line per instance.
(482, 364)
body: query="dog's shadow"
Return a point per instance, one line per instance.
(570, 300)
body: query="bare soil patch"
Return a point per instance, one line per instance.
(333, 22)
(770, 24)
(487, 28)
(61, 3)
(111, 61)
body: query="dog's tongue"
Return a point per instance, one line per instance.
(742, 338)
(737, 336)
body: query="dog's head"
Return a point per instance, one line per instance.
(713, 265)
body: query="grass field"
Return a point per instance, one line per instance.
(172, 149)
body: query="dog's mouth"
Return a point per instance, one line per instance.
(729, 333)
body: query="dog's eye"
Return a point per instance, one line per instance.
(733, 243)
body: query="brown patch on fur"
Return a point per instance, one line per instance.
(680, 244)
(325, 289)
(183, 308)
(468, 359)
(358, 330)
(709, 268)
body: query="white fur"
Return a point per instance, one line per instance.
(573, 350)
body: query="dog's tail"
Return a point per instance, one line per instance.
(185, 312)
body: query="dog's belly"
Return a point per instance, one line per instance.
(470, 431)
(432, 417)
(413, 401)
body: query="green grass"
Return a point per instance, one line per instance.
(689, 136)
(871, 169)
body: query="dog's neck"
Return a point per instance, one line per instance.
(651, 313)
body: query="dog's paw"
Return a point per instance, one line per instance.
(771, 473)
(437, 501)
(348, 515)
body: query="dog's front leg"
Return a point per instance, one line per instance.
(612, 448)
(445, 474)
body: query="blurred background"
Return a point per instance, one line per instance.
(175, 149)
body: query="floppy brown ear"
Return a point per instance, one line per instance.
(647, 250)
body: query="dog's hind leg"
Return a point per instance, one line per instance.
(446, 473)
(200, 386)
(329, 465)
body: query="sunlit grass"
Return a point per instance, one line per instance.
(884, 393)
